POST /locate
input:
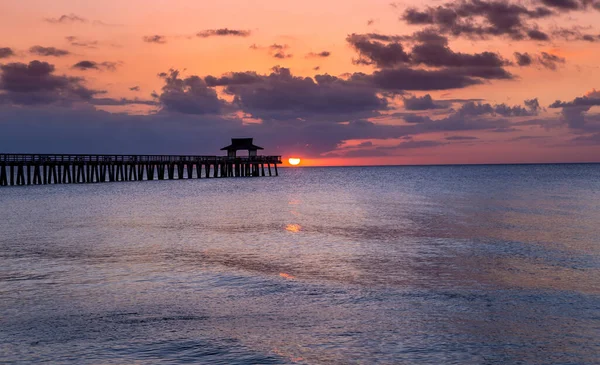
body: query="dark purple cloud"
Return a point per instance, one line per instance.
(91, 65)
(418, 79)
(223, 32)
(76, 42)
(523, 59)
(574, 112)
(431, 50)
(538, 35)
(461, 138)
(36, 83)
(6, 52)
(438, 54)
(48, 51)
(550, 61)
(478, 18)
(565, 4)
(591, 99)
(531, 108)
(377, 53)
(190, 95)
(66, 19)
(234, 78)
(281, 95)
(544, 59)
(422, 103)
(322, 54)
(159, 39)
(122, 101)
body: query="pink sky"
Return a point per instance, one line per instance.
(110, 34)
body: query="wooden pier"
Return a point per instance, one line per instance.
(39, 169)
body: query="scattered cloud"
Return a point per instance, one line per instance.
(322, 54)
(574, 112)
(92, 65)
(376, 53)
(544, 59)
(48, 51)
(77, 42)
(36, 83)
(6, 52)
(66, 19)
(223, 32)
(422, 103)
(550, 61)
(190, 95)
(281, 95)
(461, 138)
(159, 39)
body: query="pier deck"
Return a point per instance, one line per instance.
(39, 169)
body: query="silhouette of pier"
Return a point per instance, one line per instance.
(40, 169)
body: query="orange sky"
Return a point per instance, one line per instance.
(114, 30)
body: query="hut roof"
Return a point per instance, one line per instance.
(241, 144)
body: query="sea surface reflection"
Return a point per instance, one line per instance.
(379, 265)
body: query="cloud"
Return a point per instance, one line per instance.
(322, 54)
(461, 138)
(377, 53)
(418, 79)
(122, 101)
(278, 51)
(523, 59)
(565, 5)
(478, 18)
(66, 19)
(531, 108)
(591, 98)
(538, 35)
(159, 39)
(36, 83)
(431, 50)
(588, 140)
(550, 61)
(574, 112)
(283, 96)
(223, 32)
(416, 144)
(436, 53)
(275, 50)
(190, 95)
(544, 59)
(76, 42)
(48, 51)
(6, 52)
(233, 78)
(92, 65)
(421, 103)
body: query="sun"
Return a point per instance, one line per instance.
(294, 161)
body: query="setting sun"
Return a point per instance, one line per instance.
(294, 161)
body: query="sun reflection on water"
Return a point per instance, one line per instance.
(294, 228)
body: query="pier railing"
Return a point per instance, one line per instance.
(74, 158)
(37, 169)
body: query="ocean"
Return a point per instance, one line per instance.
(495, 264)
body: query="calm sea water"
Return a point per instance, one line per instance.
(378, 265)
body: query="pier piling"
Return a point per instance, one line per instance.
(38, 169)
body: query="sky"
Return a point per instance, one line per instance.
(354, 82)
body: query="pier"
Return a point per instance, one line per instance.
(41, 169)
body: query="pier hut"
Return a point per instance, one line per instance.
(241, 144)
(41, 169)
